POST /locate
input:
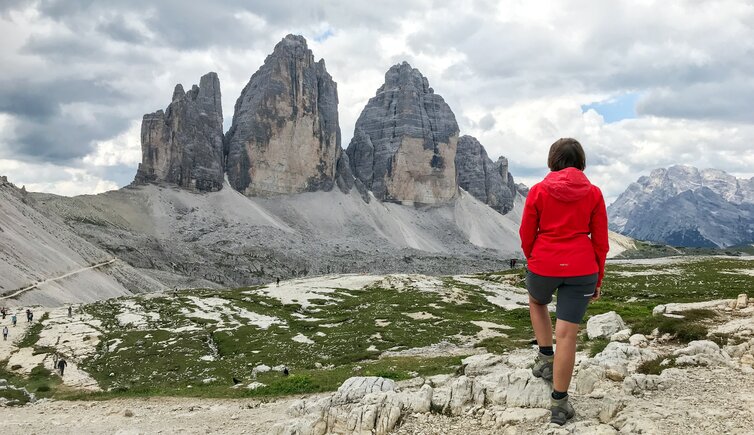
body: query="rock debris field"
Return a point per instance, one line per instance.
(650, 361)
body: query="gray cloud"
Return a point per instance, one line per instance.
(83, 71)
(47, 132)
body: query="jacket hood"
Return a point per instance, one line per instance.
(567, 185)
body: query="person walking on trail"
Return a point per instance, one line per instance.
(14, 319)
(5, 333)
(564, 238)
(31, 316)
(277, 280)
(61, 365)
(70, 311)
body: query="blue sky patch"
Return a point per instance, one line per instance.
(616, 108)
(324, 35)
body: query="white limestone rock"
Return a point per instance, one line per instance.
(604, 325)
(526, 391)
(702, 353)
(742, 301)
(638, 340)
(357, 387)
(481, 364)
(587, 379)
(622, 335)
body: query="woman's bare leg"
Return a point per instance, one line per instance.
(541, 323)
(566, 334)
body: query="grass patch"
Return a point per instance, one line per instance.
(597, 346)
(654, 366)
(40, 381)
(32, 334)
(683, 330)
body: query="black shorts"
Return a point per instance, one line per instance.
(574, 293)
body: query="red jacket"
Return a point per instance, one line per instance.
(560, 214)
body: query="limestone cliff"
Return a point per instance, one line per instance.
(404, 143)
(488, 181)
(184, 144)
(285, 136)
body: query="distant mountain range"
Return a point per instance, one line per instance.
(686, 206)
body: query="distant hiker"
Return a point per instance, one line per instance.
(31, 316)
(564, 238)
(70, 311)
(4, 311)
(277, 280)
(285, 371)
(28, 315)
(513, 263)
(61, 365)
(5, 333)
(14, 319)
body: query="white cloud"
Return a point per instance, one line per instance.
(124, 149)
(56, 179)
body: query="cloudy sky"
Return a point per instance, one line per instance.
(642, 84)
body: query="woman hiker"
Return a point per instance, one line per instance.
(564, 238)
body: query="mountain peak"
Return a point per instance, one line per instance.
(686, 206)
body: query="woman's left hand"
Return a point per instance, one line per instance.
(597, 294)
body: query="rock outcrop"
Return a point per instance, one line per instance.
(184, 144)
(404, 143)
(488, 181)
(285, 136)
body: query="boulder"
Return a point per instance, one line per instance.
(604, 325)
(285, 136)
(742, 301)
(587, 379)
(526, 391)
(622, 335)
(701, 353)
(184, 144)
(357, 387)
(638, 340)
(609, 408)
(481, 364)
(404, 143)
(621, 357)
(674, 308)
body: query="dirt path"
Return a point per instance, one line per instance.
(155, 415)
(33, 286)
(14, 333)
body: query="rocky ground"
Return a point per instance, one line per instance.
(693, 374)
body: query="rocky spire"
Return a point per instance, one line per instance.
(285, 136)
(404, 143)
(488, 182)
(184, 144)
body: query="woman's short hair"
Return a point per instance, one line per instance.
(566, 153)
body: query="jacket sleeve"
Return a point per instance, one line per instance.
(529, 224)
(598, 230)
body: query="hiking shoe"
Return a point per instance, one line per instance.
(561, 411)
(543, 366)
